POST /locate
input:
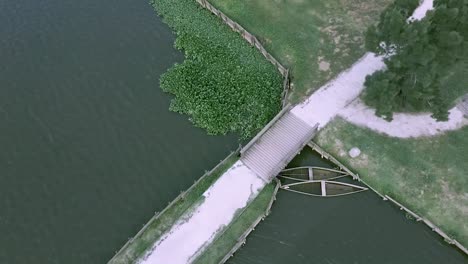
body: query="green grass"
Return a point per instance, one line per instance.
(428, 175)
(222, 244)
(301, 34)
(163, 222)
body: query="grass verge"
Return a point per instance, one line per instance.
(161, 223)
(316, 39)
(428, 175)
(222, 244)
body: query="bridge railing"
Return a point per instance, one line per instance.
(268, 126)
(287, 160)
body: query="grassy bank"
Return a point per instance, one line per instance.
(428, 175)
(224, 84)
(161, 223)
(315, 39)
(221, 246)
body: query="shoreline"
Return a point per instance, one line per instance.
(330, 97)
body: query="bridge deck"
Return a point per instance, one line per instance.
(273, 150)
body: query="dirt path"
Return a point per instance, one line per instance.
(403, 125)
(338, 97)
(327, 102)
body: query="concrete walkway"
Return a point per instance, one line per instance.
(323, 105)
(196, 229)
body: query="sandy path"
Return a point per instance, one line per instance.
(323, 105)
(422, 9)
(231, 192)
(337, 96)
(403, 125)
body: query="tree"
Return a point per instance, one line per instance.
(419, 54)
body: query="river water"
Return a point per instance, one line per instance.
(89, 151)
(88, 148)
(359, 228)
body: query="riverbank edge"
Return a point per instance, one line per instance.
(253, 40)
(125, 254)
(224, 67)
(379, 191)
(162, 222)
(234, 236)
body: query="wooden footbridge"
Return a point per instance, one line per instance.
(277, 144)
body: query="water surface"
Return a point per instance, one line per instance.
(359, 228)
(88, 149)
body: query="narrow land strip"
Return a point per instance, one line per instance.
(162, 221)
(234, 235)
(195, 230)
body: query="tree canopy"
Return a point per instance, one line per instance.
(426, 59)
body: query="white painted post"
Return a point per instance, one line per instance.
(324, 189)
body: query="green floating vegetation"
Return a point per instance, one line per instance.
(429, 66)
(224, 84)
(225, 241)
(161, 223)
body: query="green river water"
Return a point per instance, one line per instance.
(89, 151)
(88, 148)
(359, 228)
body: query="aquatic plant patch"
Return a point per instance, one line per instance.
(224, 84)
